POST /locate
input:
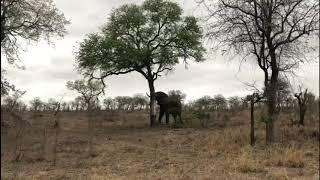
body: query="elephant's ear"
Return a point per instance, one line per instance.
(162, 98)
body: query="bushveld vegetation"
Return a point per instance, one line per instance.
(270, 133)
(213, 142)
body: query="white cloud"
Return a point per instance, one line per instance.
(49, 68)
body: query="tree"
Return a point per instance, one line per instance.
(5, 85)
(204, 103)
(234, 103)
(304, 98)
(90, 91)
(109, 103)
(13, 102)
(53, 104)
(149, 39)
(141, 100)
(36, 104)
(219, 102)
(79, 103)
(28, 20)
(177, 94)
(283, 93)
(253, 99)
(274, 33)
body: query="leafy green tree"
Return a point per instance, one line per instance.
(149, 39)
(90, 91)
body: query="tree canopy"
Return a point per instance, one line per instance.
(274, 33)
(149, 39)
(88, 89)
(28, 20)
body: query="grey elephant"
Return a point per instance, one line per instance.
(168, 105)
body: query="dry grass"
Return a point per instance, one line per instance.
(288, 157)
(135, 151)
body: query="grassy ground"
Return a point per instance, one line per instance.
(126, 148)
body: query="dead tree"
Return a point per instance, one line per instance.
(302, 102)
(253, 99)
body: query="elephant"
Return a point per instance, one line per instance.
(168, 105)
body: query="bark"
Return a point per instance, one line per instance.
(302, 114)
(271, 105)
(152, 103)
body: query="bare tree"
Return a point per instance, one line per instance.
(303, 98)
(274, 33)
(253, 99)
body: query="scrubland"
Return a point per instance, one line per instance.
(125, 147)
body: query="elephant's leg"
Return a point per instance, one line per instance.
(161, 115)
(180, 119)
(167, 118)
(175, 118)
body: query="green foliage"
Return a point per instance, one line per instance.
(28, 20)
(149, 39)
(88, 89)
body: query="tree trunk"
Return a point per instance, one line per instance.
(90, 129)
(302, 114)
(252, 137)
(152, 103)
(271, 106)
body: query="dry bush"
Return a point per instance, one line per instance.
(288, 157)
(246, 163)
(280, 174)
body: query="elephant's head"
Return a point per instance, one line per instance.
(161, 97)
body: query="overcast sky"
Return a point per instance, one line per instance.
(48, 67)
